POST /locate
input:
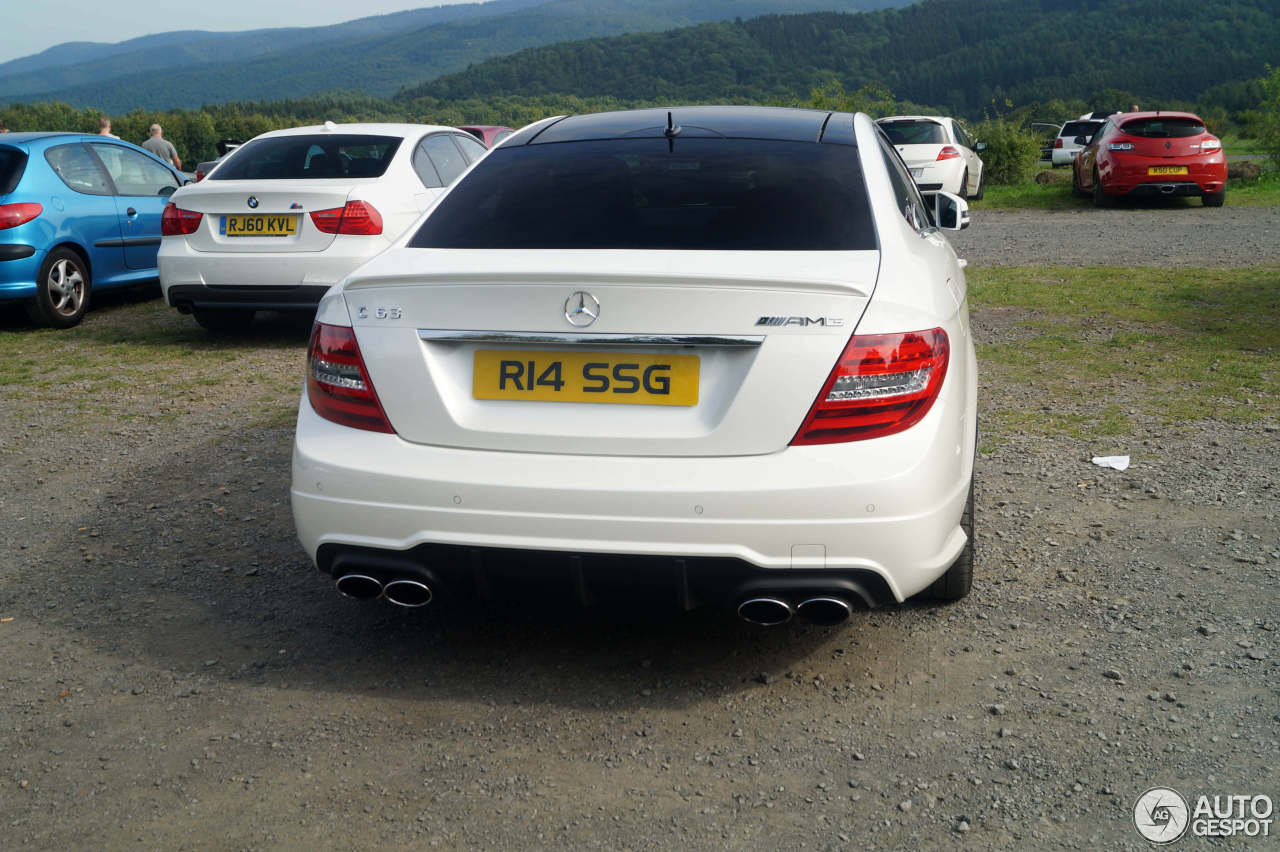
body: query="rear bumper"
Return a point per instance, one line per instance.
(1130, 175)
(19, 270)
(940, 176)
(266, 280)
(1064, 156)
(879, 520)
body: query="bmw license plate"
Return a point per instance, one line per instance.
(258, 225)
(615, 377)
(1166, 170)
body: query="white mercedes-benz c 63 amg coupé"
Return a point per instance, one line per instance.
(707, 356)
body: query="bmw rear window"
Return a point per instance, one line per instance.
(1163, 128)
(914, 132)
(320, 156)
(12, 164)
(694, 194)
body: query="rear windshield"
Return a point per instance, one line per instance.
(914, 132)
(1072, 129)
(12, 164)
(1163, 128)
(696, 194)
(322, 156)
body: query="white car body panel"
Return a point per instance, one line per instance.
(928, 171)
(717, 480)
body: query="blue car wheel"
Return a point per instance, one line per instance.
(62, 291)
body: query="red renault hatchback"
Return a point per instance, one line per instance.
(1152, 153)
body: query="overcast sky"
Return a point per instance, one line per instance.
(32, 26)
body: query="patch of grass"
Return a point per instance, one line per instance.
(1106, 343)
(1263, 192)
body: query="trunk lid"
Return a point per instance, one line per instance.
(758, 332)
(919, 156)
(275, 200)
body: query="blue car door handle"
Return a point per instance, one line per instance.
(131, 212)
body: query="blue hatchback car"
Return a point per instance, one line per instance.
(78, 214)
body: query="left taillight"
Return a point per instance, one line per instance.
(338, 384)
(881, 384)
(176, 222)
(355, 217)
(948, 152)
(13, 215)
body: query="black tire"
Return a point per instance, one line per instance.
(1214, 199)
(62, 290)
(1075, 184)
(1100, 197)
(956, 583)
(982, 185)
(223, 320)
(964, 184)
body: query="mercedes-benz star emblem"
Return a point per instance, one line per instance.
(581, 309)
(252, 202)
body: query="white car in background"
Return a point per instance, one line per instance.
(730, 367)
(941, 154)
(288, 214)
(1065, 146)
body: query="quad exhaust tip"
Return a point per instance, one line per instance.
(825, 611)
(361, 587)
(765, 612)
(407, 593)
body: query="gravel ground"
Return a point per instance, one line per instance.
(175, 674)
(1178, 233)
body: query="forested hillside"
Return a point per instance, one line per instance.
(384, 62)
(965, 54)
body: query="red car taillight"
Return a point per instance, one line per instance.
(948, 152)
(1057, 143)
(356, 217)
(13, 215)
(199, 175)
(881, 384)
(338, 384)
(176, 222)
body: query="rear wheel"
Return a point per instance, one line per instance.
(956, 583)
(1214, 199)
(964, 184)
(62, 290)
(1100, 197)
(223, 320)
(982, 186)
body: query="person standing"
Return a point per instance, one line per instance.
(104, 127)
(161, 147)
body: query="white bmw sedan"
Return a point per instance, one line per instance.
(939, 152)
(708, 356)
(287, 215)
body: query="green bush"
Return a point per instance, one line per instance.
(1268, 123)
(1012, 151)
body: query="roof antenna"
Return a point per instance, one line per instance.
(672, 131)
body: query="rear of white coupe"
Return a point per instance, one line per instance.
(713, 356)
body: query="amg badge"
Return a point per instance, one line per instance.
(829, 322)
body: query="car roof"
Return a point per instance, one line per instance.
(785, 124)
(16, 138)
(937, 118)
(371, 128)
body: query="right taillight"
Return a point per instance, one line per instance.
(13, 215)
(338, 384)
(176, 222)
(948, 152)
(359, 218)
(881, 384)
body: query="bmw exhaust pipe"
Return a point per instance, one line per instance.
(361, 587)
(825, 611)
(765, 612)
(407, 593)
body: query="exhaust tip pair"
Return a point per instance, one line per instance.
(402, 592)
(822, 610)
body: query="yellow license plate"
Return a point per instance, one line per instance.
(1167, 170)
(259, 225)
(628, 378)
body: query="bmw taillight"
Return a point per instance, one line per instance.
(881, 384)
(338, 384)
(355, 217)
(13, 215)
(948, 152)
(176, 222)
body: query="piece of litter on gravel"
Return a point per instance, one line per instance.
(1113, 462)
